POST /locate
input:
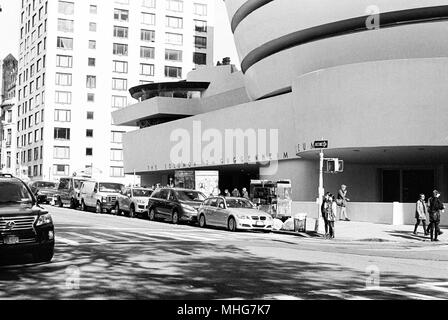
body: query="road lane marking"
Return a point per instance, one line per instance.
(339, 294)
(143, 237)
(83, 236)
(106, 235)
(406, 294)
(437, 286)
(66, 241)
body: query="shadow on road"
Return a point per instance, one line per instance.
(409, 235)
(174, 271)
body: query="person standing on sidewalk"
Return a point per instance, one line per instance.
(420, 214)
(331, 212)
(342, 203)
(436, 207)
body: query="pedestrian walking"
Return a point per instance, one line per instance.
(342, 203)
(435, 208)
(236, 193)
(330, 211)
(245, 193)
(420, 214)
(323, 211)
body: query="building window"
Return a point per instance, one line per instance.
(147, 52)
(200, 42)
(174, 38)
(173, 55)
(200, 9)
(149, 3)
(65, 43)
(63, 61)
(147, 35)
(120, 66)
(61, 170)
(90, 115)
(116, 155)
(61, 115)
(63, 97)
(149, 18)
(146, 69)
(200, 26)
(62, 133)
(67, 8)
(116, 172)
(61, 152)
(91, 82)
(91, 62)
(173, 72)
(199, 58)
(65, 25)
(175, 5)
(121, 15)
(90, 97)
(89, 152)
(117, 136)
(121, 32)
(119, 84)
(93, 9)
(89, 133)
(174, 22)
(63, 79)
(120, 49)
(119, 102)
(92, 26)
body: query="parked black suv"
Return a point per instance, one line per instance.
(175, 205)
(24, 225)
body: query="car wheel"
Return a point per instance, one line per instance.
(232, 224)
(98, 208)
(151, 214)
(117, 210)
(72, 204)
(83, 206)
(202, 223)
(175, 218)
(132, 212)
(44, 254)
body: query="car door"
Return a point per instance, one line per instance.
(126, 200)
(221, 214)
(210, 215)
(171, 203)
(160, 204)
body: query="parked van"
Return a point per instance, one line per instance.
(100, 195)
(68, 192)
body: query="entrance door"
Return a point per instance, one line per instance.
(406, 185)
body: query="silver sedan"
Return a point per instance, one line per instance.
(233, 214)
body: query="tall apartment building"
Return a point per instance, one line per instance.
(78, 58)
(8, 106)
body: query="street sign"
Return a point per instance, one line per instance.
(323, 144)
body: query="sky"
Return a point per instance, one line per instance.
(10, 23)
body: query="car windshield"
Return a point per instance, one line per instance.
(14, 192)
(45, 185)
(239, 203)
(64, 184)
(142, 192)
(190, 196)
(78, 183)
(110, 187)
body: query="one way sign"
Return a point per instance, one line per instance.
(323, 144)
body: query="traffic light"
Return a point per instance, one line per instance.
(333, 165)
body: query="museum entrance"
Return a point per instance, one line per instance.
(405, 185)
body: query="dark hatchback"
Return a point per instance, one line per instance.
(175, 205)
(25, 227)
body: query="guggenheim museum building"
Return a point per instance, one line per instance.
(372, 80)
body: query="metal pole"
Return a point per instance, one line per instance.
(321, 190)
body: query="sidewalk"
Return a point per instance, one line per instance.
(364, 231)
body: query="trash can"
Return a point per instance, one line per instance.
(300, 222)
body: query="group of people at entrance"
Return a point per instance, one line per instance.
(331, 206)
(434, 207)
(236, 193)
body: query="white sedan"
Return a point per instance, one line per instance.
(233, 214)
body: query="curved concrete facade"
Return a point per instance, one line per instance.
(277, 21)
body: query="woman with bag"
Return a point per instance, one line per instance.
(420, 214)
(342, 203)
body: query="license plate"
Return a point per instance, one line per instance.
(11, 240)
(260, 224)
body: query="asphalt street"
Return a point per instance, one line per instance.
(112, 257)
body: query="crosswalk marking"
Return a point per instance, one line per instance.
(84, 236)
(108, 235)
(133, 235)
(440, 286)
(66, 241)
(340, 294)
(407, 294)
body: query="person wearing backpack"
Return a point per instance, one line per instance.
(435, 208)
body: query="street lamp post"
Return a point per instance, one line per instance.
(321, 190)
